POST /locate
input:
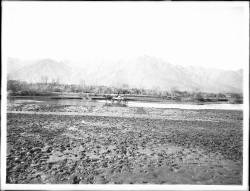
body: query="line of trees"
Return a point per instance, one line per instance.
(15, 87)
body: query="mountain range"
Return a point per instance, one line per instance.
(141, 72)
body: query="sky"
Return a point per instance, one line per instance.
(201, 34)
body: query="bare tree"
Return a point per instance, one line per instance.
(44, 79)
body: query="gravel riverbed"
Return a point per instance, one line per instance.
(179, 147)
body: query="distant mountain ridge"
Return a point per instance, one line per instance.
(142, 72)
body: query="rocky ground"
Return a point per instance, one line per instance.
(97, 109)
(165, 146)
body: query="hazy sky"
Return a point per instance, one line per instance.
(201, 34)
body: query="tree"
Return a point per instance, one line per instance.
(44, 79)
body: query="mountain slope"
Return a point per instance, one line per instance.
(43, 70)
(142, 72)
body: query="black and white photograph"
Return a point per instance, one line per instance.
(125, 95)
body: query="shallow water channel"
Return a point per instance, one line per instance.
(162, 105)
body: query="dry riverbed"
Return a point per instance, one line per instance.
(163, 146)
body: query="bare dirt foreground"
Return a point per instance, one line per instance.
(80, 149)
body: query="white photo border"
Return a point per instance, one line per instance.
(244, 186)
